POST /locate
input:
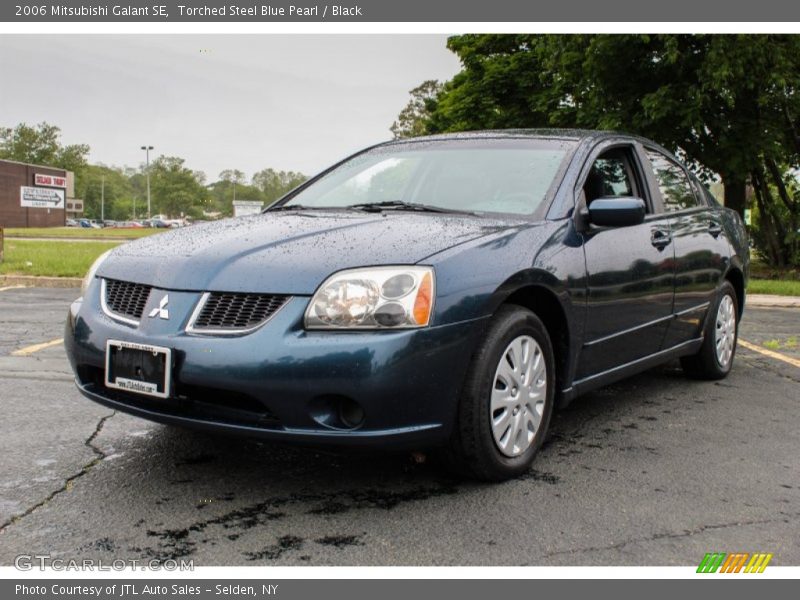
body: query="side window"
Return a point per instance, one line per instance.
(610, 175)
(676, 189)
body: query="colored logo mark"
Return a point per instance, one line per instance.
(736, 562)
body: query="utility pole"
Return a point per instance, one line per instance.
(103, 199)
(147, 172)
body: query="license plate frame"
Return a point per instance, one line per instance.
(135, 374)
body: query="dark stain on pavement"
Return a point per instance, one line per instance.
(285, 544)
(543, 476)
(340, 541)
(177, 543)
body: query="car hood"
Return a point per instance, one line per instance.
(289, 252)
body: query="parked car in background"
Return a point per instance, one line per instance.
(157, 223)
(71, 223)
(181, 222)
(444, 293)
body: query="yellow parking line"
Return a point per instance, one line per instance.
(776, 355)
(12, 287)
(28, 350)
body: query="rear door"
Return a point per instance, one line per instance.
(630, 270)
(700, 246)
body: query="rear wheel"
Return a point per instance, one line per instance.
(507, 398)
(715, 358)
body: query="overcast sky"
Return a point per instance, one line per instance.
(298, 102)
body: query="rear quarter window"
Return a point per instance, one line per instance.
(704, 197)
(677, 192)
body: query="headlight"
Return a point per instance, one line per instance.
(373, 298)
(93, 271)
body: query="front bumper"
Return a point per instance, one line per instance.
(282, 382)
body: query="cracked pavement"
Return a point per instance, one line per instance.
(654, 470)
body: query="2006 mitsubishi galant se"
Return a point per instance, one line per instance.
(443, 292)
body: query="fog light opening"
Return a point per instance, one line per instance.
(350, 413)
(336, 412)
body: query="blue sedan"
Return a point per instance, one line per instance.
(443, 293)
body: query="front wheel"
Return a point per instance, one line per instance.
(507, 398)
(715, 358)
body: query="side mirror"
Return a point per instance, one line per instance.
(616, 211)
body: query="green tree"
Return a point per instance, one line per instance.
(220, 196)
(411, 120)
(175, 189)
(273, 184)
(232, 185)
(138, 184)
(41, 145)
(727, 104)
(719, 100)
(98, 181)
(232, 176)
(504, 83)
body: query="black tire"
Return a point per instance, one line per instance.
(705, 364)
(472, 450)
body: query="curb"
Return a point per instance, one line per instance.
(771, 301)
(45, 282)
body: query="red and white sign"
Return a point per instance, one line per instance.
(50, 180)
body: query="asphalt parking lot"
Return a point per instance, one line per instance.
(654, 470)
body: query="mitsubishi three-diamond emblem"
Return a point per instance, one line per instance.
(161, 310)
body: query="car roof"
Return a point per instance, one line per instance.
(583, 136)
(542, 133)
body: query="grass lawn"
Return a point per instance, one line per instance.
(54, 259)
(80, 232)
(786, 287)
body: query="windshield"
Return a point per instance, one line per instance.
(498, 176)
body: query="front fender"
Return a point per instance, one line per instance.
(547, 258)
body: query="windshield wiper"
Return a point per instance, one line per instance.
(289, 207)
(401, 205)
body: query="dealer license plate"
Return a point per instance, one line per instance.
(138, 368)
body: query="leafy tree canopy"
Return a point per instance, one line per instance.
(273, 184)
(41, 145)
(175, 189)
(723, 102)
(411, 121)
(727, 104)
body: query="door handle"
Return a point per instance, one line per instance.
(660, 238)
(714, 228)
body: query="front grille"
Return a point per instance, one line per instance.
(125, 298)
(230, 312)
